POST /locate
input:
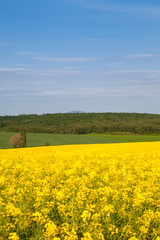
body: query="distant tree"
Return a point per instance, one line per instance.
(18, 140)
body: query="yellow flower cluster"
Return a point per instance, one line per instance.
(87, 192)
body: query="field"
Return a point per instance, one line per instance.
(124, 138)
(39, 139)
(87, 192)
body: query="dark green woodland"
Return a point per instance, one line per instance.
(82, 123)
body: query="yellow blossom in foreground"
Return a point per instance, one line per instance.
(87, 192)
(87, 236)
(51, 230)
(13, 236)
(133, 238)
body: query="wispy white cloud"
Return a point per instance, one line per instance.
(86, 91)
(13, 69)
(117, 72)
(77, 59)
(76, 91)
(131, 71)
(35, 83)
(74, 72)
(40, 57)
(57, 73)
(48, 83)
(42, 72)
(142, 56)
(72, 68)
(92, 92)
(132, 77)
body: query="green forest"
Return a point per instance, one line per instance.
(82, 123)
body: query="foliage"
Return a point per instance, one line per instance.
(23, 134)
(46, 144)
(83, 123)
(18, 140)
(85, 192)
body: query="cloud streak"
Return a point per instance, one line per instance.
(136, 56)
(133, 77)
(39, 57)
(91, 92)
(68, 60)
(71, 71)
(32, 73)
(48, 83)
(13, 69)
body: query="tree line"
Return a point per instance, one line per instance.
(82, 123)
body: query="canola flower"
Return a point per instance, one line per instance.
(87, 192)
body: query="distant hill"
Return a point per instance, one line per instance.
(83, 123)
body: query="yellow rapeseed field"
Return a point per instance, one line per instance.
(103, 191)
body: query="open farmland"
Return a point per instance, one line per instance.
(39, 139)
(101, 191)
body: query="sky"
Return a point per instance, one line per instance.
(85, 55)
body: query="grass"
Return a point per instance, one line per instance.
(39, 139)
(128, 138)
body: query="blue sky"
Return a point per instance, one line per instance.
(88, 55)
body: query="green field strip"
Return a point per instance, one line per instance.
(39, 139)
(128, 138)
